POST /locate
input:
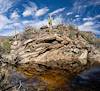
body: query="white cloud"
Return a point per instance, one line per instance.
(89, 23)
(9, 30)
(42, 11)
(39, 23)
(85, 28)
(87, 19)
(69, 13)
(91, 18)
(97, 16)
(3, 21)
(12, 33)
(9, 33)
(36, 24)
(28, 23)
(95, 2)
(25, 22)
(57, 11)
(89, 26)
(14, 15)
(5, 5)
(6, 25)
(77, 16)
(58, 20)
(77, 7)
(27, 12)
(80, 6)
(33, 5)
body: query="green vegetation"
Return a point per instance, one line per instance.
(28, 32)
(5, 46)
(88, 36)
(72, 35)
(73, 31)
(72, 27)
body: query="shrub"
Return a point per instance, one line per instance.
(28, 33)
(5, 47)
(88, 36)
(72, 27)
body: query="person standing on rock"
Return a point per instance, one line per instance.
(50, 22)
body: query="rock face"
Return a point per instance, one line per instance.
(62, 47)
(51, 58)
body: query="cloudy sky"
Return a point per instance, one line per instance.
(20, 13)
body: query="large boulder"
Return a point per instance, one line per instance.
(62, 47)
(47, 60)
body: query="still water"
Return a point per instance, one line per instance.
(28, 79)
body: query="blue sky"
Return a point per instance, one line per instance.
(20, 13)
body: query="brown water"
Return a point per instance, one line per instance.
(27, 78)
(33, 80)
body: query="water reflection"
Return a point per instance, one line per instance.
(88, 80)
(51, 80)
(28, 79)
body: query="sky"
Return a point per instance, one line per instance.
(18, 14)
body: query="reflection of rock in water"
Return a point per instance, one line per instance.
(88, 80)
(51, 80)
(23, 83)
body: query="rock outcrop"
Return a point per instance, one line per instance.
(47, 60)
(61, 47)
